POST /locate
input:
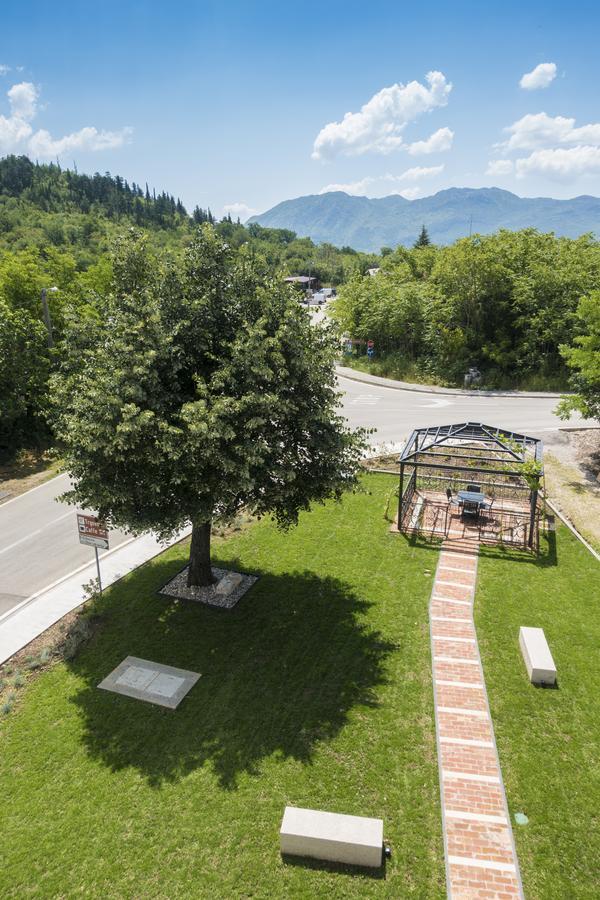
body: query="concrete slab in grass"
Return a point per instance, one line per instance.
(537, 656)
(355, 840)
(150, 681)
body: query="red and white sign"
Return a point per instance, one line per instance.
(92, 531)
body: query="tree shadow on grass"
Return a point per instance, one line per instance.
(280, 672)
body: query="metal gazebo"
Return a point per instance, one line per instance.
(438, 461)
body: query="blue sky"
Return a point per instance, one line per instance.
(241, 104)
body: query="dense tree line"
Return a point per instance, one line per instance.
(53, 189)
(57, 228)
(505, 303)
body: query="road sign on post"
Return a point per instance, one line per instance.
(94, 533)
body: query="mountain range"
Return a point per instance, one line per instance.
(371, 223)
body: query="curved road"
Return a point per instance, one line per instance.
(38, 535)
(394, 413)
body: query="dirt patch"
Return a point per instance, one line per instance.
(572, 472)
(61, 641)
(26, 472)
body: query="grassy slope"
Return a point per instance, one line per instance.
(395, 366)
(315, 691)
(577, 496)
(27, 471)
(548, 740)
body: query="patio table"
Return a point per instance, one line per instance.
(471, 497)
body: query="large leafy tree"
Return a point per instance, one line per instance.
(24, 366)
(201, 389)
(583, 358)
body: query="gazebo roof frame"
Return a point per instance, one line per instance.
(501, 445)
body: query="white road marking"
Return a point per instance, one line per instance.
(436, 404)
(34, 533)
(25, 494)
(366, 399)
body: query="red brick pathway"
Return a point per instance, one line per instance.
(481, 861)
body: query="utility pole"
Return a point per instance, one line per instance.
(46, 311)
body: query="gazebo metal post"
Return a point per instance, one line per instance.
(534, 499)
(400, 491)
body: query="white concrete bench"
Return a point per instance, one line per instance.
(323, 835)
(536, 653)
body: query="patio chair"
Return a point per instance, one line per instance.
(469, 508)
(452, 500)
(475, 488)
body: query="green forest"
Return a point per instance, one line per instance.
(57, 230)
(522, 306)
(507, 303)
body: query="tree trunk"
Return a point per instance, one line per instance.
(200, 571)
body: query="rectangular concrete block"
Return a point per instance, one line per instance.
(536, 653)
(355, 840)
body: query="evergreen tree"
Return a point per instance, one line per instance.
(423, 240)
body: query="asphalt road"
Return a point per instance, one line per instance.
(39, 542)
(38, 535)
(394, 413)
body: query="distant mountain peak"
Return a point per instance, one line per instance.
(371, 223)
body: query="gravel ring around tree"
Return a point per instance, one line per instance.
(178, 588)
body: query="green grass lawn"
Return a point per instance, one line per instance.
(548, 740)
(315, 691)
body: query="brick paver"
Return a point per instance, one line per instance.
(481, 861)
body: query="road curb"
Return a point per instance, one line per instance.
(366, 378)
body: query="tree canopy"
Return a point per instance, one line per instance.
(199, 390)
(583, 358)
(505, 303)
(57, 227)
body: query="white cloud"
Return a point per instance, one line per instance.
(13, 132)
(238, 210)
(356, 188)
(557, 148)
(538, 130)
(410, 193)
(23, 99)
(4, 70)
(382, 185)
(560, 163)
(15, 128)
(540, 77)
(379, 125)
(17, 134)
(500, 167)
(418, 172)
(438, 142)
(42, 144)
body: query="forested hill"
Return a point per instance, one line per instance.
(44, 208)
(53, 189)
(369, 224)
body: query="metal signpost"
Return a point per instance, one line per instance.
(94, 533)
